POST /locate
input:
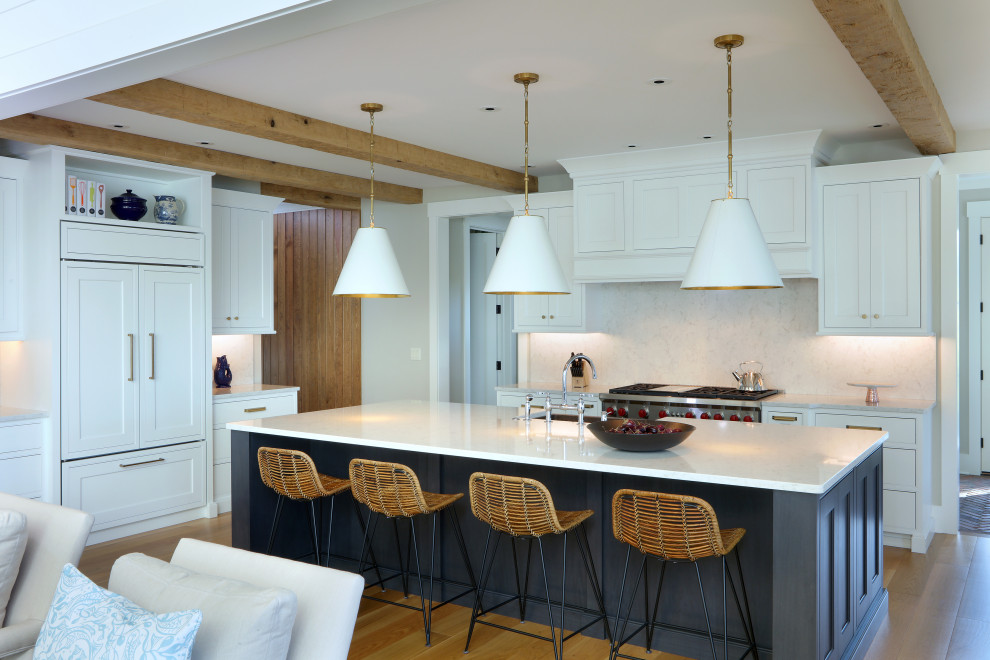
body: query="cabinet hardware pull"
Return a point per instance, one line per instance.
(228, 318)
(864, 316)
(237, 318)
(127, 465)
(131, 337)
(544, 316)
(876, 316)
(784, 418)
(152, 376)
(863, 428)
(256, 409)
(551, 316)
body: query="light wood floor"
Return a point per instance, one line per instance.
(939, 606)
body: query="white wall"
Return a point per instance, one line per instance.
(654, 332)
(391, 327)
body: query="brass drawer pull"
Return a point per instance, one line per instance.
(256, 409)
(152, 376)
(127, 465)
(863, 428)
(784, 418)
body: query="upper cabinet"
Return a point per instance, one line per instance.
(558, 313)
(11, 180)
(876, 246)
(243, 271)
(638, 215)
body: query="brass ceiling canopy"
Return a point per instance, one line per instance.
(729, 41)
(526, 78)
(378, 107)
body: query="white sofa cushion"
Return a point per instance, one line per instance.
(240, 620)
(86, 621)
(13, 540)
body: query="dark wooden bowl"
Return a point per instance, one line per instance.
(640, 442)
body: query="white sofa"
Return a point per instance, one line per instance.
(56, 536)
(327, 599)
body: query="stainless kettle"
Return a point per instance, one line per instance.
(751, 378)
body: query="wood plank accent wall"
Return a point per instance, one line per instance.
(317, 340)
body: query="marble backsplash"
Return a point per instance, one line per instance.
(240, 352)
(654, 332)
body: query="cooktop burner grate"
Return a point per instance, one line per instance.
(727, 393)
(636, 388)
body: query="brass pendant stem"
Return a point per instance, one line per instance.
(371, 159)
(728, 60)
(526, 139)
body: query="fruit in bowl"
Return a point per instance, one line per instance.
(631, 435)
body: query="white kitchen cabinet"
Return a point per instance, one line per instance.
(876, 248)
(243, 267)
(133, 356)
(21, 457)
(236, 407)
(783, 416)
(558, 313)
(126, 488)
(10, 255)
(638, 215)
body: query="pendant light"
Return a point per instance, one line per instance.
(526, 263)
(371, 270)
(731, 252)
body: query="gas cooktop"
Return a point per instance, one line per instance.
(692, 391)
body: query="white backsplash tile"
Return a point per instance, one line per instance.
(654, 332)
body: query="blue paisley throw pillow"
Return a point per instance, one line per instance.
(86, 622)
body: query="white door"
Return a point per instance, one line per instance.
(483, 348)
(10, 255)
(564, 310)
(985, 346)
(895, 245)
(846, 255)
(174, 368)
(251, 258)
(222, 315)
(101, 362)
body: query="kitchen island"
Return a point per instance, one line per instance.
(810, 499)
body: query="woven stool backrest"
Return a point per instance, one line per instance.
(666, 526)
(391, 489)
(514, 505)
(290, 473)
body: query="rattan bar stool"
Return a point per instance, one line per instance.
(293, 475)
(523, 509)
(392, 490)
(676, 529)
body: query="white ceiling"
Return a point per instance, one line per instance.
(434, 65)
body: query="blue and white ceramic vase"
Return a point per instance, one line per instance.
(221, 374)
(168, 208)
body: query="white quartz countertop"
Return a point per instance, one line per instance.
(8, 414)
(771, 456)
(237, 392)
(594, 387)
(887, 404)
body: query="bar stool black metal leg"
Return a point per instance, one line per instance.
(459, 535)
(329, 525)
(371, 550)
(419, 575)
(614, 646)
(433, 556)
(589, 568)
(369, 537)
(656, 608)
(704, 604)
(278, 513)
(403, 566)
(748, 621)
(725, 617)
(621, 632)
(563, 591)
(485, 570)
(525, 591)
(314, 533)
(515, 567)
(546, 585)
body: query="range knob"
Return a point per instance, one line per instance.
(705, 416)
(622, 412)
(718, 416)
(610, 411)
(689, 415)
(643, 413)
(661, 414)
(734, 418)
(748, 418)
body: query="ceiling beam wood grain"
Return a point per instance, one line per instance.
(316, 198)
(39, 129)
(174, 100)
(879, 39)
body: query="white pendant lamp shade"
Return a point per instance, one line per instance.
(526, 262)
(371, 270)
(731, 252)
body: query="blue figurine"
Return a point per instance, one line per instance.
(221, 374)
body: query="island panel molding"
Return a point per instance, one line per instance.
(38, 129)
(167, 98)
(813, 517)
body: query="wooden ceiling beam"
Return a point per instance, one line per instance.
(306, 197)
(878, 37)
(199, 106)
(38, 129)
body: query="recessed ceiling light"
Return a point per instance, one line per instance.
(118, 126)
(489, 108)
(203, 143)
(877, 125)
(632, 146)
(659, 81)
(706, 137)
